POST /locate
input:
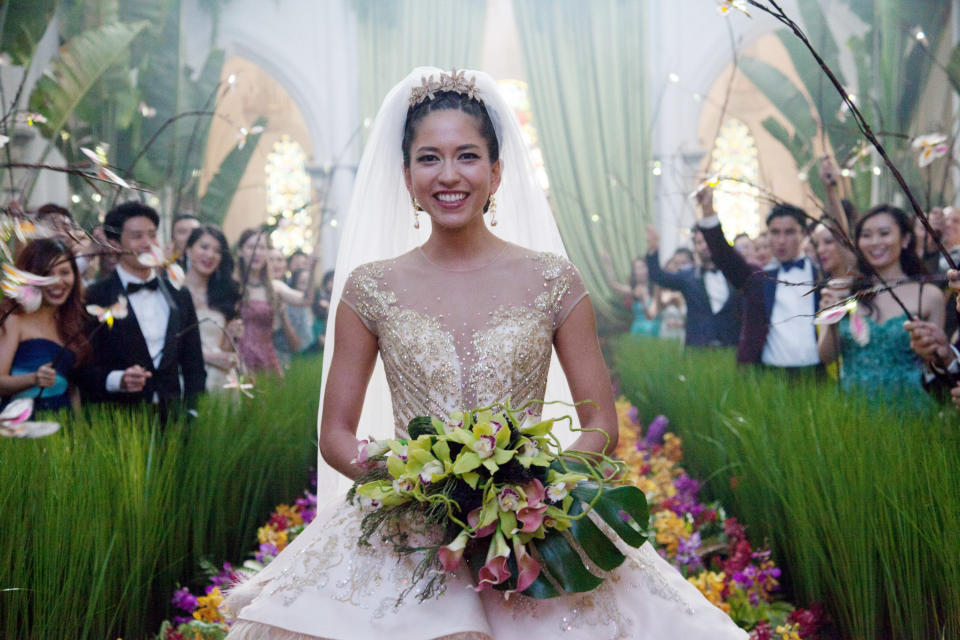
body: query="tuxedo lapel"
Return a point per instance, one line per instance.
(769, 291)
(173, 324)
(131, 338)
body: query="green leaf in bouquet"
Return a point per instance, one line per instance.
(598, 546)
(611, 503)
(565, 565)
(471, 478)
(539, 429)
(419, 426)
(466, 461)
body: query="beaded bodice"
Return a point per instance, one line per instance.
(459, 339)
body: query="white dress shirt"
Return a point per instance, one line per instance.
(792, 340)
(718, 291)
(153, 315)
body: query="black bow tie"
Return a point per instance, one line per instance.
(792, 264)
(151, 284)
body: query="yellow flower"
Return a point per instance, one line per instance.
(208, 607)
(788, 632)
(269, 535)
(670, 528)
(710, 584)
(672, 447)
(294, 519)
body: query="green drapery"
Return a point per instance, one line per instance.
(586, 67)
(394, 36)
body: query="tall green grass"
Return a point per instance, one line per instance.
(101, 520)
(859, 495)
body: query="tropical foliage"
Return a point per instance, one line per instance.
(120, 84)
(894, 63)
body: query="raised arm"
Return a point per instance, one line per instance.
(611, 278)
(657, 275)
(354, 356)
(735, 269)
(830, 177)
(579, 354)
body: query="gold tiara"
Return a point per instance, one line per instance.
(455, 81)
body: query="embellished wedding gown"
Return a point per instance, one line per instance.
(448, 340)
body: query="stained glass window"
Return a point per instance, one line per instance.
(517, 96)
(736, 197)
(288, 196)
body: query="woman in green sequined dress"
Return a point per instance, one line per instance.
(873, 345)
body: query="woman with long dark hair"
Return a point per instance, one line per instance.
(33, 360)
(215, 295)
(871, 340)
(262, 297)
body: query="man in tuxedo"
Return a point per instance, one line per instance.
(713, 305)
(143, 357)
(777, 329)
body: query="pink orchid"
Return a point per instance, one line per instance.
(528, 567)
(495, 570)
(367, 449)
(155, 258)
(24, 287)
(451, 555)
(15, 421)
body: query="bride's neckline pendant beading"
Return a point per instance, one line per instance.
(490, 262)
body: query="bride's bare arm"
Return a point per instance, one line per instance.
(354, 356)
(579, 353)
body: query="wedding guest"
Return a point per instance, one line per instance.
(60, 221)
(183, 226)
(950, 238)
(321, 311)
(215, 294)
(761, 245)
(261, 297)
(286, 339)
(777, 330)
(872, 341)
(744, 245)
(107, 256)
(836, 260)
(143, 357)
(297, 260)
(39, 349)
(941, 359)
(640, 292)
(673, 308)
(926, 243)
(713, 306)
(301, 318)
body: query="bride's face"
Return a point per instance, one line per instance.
(450, 172)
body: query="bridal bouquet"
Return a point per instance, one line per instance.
(488, 487)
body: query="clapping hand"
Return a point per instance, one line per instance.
(45, 376)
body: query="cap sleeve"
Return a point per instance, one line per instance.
(563, 287)
(366, 294)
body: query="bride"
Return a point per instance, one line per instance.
(466, 317)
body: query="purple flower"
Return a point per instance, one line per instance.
(687, 485)
(267, 552)
(308, 515)
(183, 599)
(226, 578)
(634, 415)
(656, 430)
(687, 550)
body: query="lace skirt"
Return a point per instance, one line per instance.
(324, 586)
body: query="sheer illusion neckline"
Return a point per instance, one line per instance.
(490, 262)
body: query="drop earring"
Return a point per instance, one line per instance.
(492, 208)
(416, 212)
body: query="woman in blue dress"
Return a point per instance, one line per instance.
(33, 360)
(871, 340)
(645, 297)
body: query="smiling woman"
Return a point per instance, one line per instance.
(33, 361)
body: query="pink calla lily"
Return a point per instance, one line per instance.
(495, 570)
(451, 555)
(528, 567)
(531, 516)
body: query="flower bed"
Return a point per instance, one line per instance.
(710, 549)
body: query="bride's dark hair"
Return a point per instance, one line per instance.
(450, 100)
